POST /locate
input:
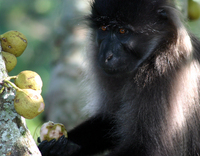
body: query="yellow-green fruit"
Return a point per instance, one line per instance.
(10, 60)
(28, 103)
(29, 80)
(51, 130)
(13, 42)
(193, 10)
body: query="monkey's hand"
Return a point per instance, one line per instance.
(62, 147)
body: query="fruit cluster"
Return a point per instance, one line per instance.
(28, 85)
(28, 101)
(13, 44)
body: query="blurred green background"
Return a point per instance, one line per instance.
(38, 20)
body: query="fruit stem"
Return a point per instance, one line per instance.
(1, 91)
(10, 77)
(12, 84)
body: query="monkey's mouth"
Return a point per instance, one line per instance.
(116, 71)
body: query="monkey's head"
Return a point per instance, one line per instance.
(128, 32)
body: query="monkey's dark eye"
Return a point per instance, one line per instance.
(162, 13)
(122, 31)
(104, 28)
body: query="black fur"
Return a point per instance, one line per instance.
(151, 107)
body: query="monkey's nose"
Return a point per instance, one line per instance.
(109, 57)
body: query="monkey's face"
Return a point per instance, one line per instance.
(127, 34)
(121, 50)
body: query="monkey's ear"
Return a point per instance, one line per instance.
(162, 13)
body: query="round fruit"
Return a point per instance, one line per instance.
(13, 42)
(29, 80)
(10, 60)
(51, 130)
(28, 103)
(193, 10)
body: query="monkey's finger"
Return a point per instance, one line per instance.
(64, 147)
(46, 146)
(58, 146)
(38, 140)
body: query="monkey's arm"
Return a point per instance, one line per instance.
(90, 137)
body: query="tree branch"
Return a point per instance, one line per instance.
(15, 138)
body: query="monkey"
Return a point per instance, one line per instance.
(144, 71)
